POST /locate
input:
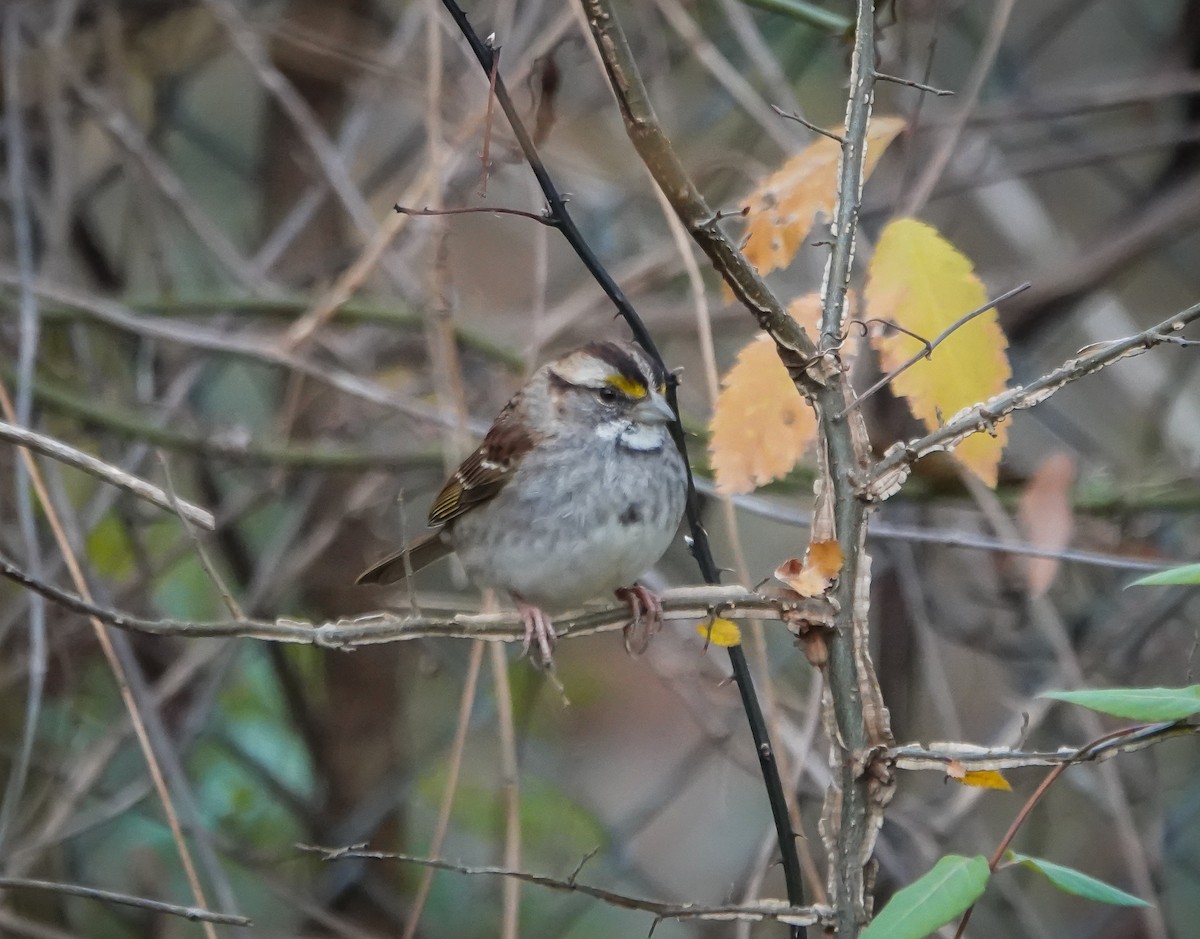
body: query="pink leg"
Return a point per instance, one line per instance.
(645, 610)
(539, 627)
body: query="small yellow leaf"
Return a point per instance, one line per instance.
(985, 779)
(720, 632)
(761, 425)
(783, 208)
(813, 576)
(920, 281)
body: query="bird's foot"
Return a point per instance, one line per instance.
(645, 610)
(539, 629)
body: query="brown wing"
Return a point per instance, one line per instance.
(483, 474)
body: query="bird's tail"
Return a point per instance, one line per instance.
(418, 553)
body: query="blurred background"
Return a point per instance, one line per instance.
(197, 200)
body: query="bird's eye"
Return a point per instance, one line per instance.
(608, 394)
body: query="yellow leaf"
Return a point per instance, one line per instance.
(984, 779)
(783, 208)
(721, 632)
(813, 576)
(920, 281)
(760, 425)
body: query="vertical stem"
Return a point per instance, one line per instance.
(858, 810)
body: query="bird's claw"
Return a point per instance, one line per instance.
(645, 610)
(539, 629)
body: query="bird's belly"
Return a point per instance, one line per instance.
(572, 542)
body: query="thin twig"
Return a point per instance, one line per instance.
(896, 80)
(196, 914)
(540, 218)
(889, 473)
(927, 351)
(754, 912)
(56, 449)
(815, 128)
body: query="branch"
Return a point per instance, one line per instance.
(939, 755)
(926, 352)
(886, 477)
(751, 912)
(684, 603)
(194, 913)
(48, 446)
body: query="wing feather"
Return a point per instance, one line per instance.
(484, 473)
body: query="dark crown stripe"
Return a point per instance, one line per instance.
(634, 366)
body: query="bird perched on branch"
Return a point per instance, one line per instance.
(576, 490)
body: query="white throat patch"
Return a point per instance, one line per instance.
(640, 437)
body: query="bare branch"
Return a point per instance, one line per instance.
(896, 80)
(890, 472)
(56, 449)
(931, 345)
(815, 128)
(194, 913)
(541, 219)
(750, 912)
(684, 603)
(938, 756)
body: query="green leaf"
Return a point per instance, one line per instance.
(931, 901)
(1136, 704)
(1188, 574)
(1074, 882)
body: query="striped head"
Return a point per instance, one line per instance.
(613, 387)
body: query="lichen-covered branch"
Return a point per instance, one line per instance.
(693, 604)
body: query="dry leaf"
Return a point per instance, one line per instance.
(920, 281)
(760, 425)
(820, 567)
(1045, 515)
(720, 632)
(783, 208)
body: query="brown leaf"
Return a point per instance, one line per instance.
(761, 425)
(814, 575)
(1046, 517)
(783, 207)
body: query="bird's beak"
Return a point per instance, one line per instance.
(653, 409)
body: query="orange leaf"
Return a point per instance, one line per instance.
(816, 573)
(720, 632)
(1045, 515)
(783, 208)
(920, 281)
(760, 425)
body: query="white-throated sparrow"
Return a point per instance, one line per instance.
(576, 489)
